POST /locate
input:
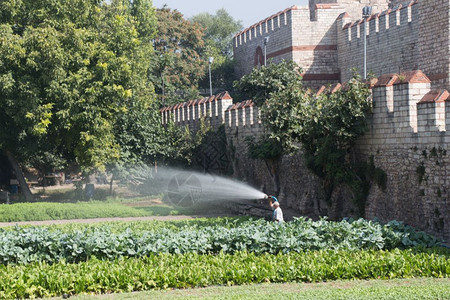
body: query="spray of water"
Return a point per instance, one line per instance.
(187, 187)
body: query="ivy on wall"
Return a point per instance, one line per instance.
(326, 125)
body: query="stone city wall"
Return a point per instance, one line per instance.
(392, 42)
(434, 41)
(314, 44)
(189, 113)
(248, 45)
(408, 138)
(352, 7)
(410, 35)
(306, 35)
(326, 40)
(292, 35)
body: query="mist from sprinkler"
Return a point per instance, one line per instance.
(186, 188)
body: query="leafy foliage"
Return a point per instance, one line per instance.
(326, 125)
(134, 133)
(34, 244)
(264, 148)
(263, 83)
(179, 65)
(184, 143)
(219, 29)
(164, 271)
(69, 70)
(117, 227)
(331, 124)
(278, 92)
(218, 34)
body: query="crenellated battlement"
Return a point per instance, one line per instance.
(406, 110)
(401, 15)
(392, 39)
(189, 113)
(318, 12)
(264, 27)
(293, 34)
(327, 40)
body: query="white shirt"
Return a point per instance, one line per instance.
(278, 215)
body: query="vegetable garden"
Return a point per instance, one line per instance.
(133, 256)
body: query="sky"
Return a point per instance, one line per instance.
(247, 11)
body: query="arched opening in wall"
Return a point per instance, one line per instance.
(259, 57)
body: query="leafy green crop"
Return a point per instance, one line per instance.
(194, 270)
(22, 245)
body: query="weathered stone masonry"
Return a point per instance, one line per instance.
(392, 42)
(326, 39)
(410, 36)
(409, 136)
(409, 139)
(409, 133)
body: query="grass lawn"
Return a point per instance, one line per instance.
(66, 203)
(40, 211)
(416, 288)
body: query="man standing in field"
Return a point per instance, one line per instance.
(277, 215)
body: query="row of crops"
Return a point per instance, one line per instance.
(34, 244)
(134, 256)
(196, 270)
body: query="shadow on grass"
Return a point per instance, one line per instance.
(61, 196)
(150, 205)
(206, 209)
(69, 195)
(158, 210)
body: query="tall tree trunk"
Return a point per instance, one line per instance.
(26, 192)
(111, 184)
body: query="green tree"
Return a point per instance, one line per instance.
(219, 30)
(178, 65)
(326, 125)
(329, 126)
(70, 70)
(218, 35)
(76, 85)
(278, 92)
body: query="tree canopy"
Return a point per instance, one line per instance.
(326, 125)
(178, 65)
(219, 30)
(71, 72)
(278, 92)
(218, 34)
